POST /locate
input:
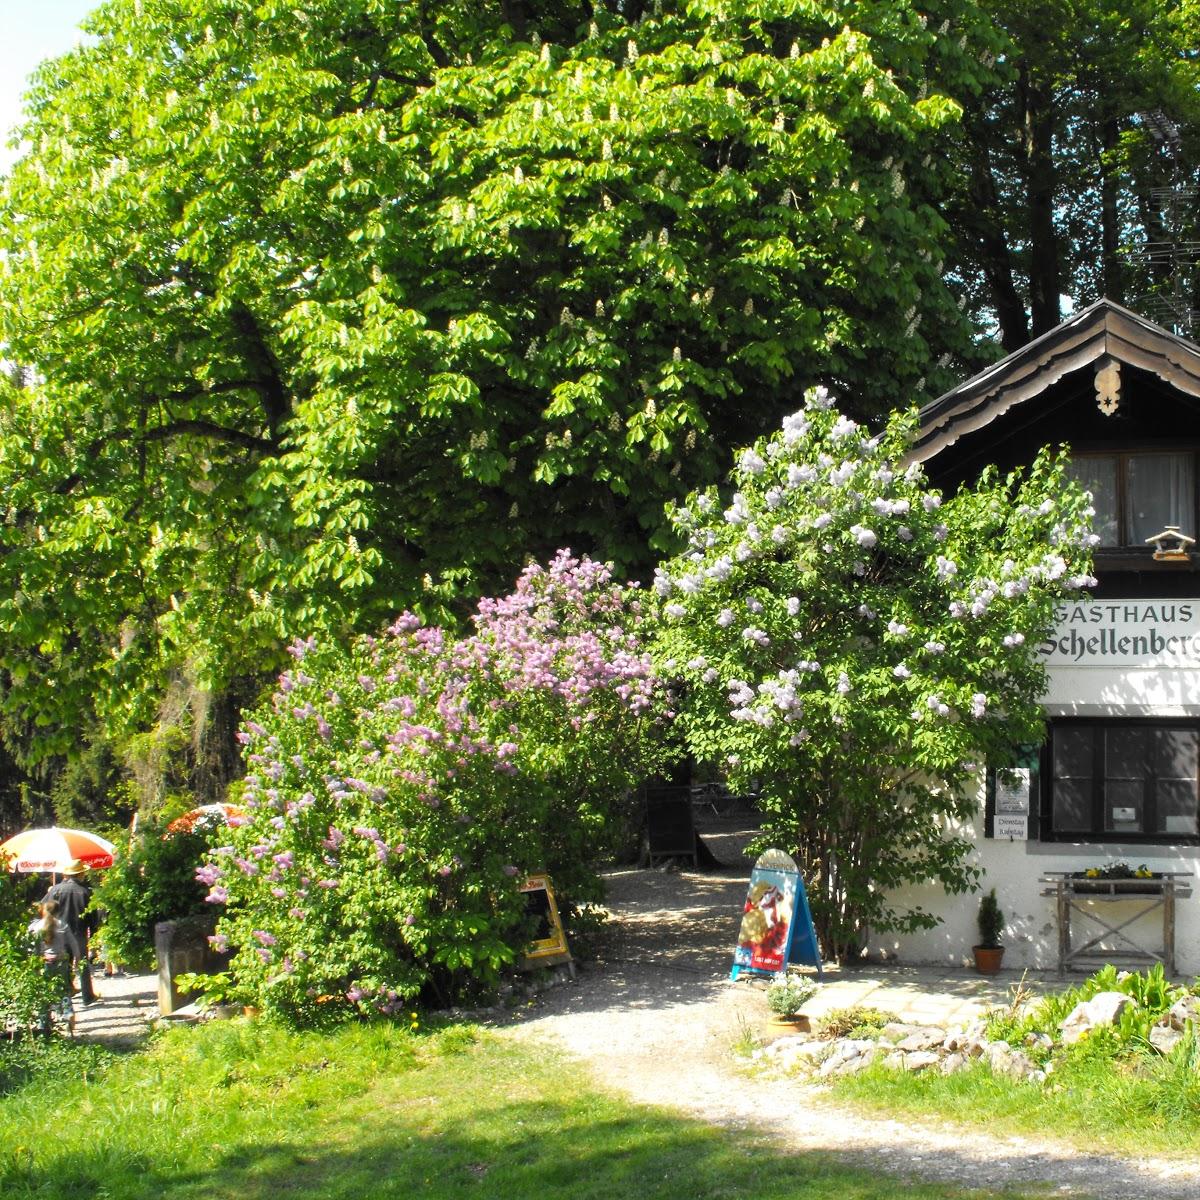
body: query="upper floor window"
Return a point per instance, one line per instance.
(1138, 495)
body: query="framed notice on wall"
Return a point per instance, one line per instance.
(1012, 791)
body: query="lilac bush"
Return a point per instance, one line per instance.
(855, 645)
(400, 789)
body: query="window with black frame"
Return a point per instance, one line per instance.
(1123, 781)
(1138, 495)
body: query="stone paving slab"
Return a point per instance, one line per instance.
(122, 1014)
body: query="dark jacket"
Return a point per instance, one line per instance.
(73, 897)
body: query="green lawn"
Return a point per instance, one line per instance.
(243, 1110)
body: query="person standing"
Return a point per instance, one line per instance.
(73, 897)
(56, 945)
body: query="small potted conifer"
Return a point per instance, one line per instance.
(989, 953)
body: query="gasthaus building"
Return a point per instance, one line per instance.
(1117, 778)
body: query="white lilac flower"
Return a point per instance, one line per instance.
(934, 704)
(798, 738)
(978, 704)
(675, 610)
(774, 497)
(751, 463)
(819, 397)
(1046, 508)
(897, 628)
(737, 513)
(913, 473)
(792, 604)
(800, 474)
(863, 536)
(860, 569)
(904, 533)
(753, 533)
(743, 551)
(1014, 587)
(1081, 581)
(758, 636)
(884, 476)
(936, 647)
(840, 475)
(821, 521)
(1014, 639)
(843, 427)
(725, 618)
(690, 585)
(662, 582)
(754, 605)
(779, 535)
(930, 501)
(865, 610)
(711, 675)
(740, 692)
(958, 608)
(720, 570)
(794, 428)
(940, 533)
(901, 671)
(843, 684)
(947, 568)
(698, 663)
(704, 504)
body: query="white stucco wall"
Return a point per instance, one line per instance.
(1165, 684)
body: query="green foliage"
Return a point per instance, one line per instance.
(342, 307)
(855, 1021)
(26, 992)
(990, 920)
(45, 1062)
(788, 994)
(402, 787)
(854, 646)
(152, 879)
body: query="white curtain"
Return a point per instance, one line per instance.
(1161, 491)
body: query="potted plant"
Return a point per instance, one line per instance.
(989, 952)
(786, 996)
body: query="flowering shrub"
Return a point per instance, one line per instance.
(402, 787)
(853, 645)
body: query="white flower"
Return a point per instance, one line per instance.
(940, 533)
(934, 704)
(698, 663)
(754, 605)
(800, 474)
(737, 513)
(821, 521)
(662, 582)
(840, 475)
(720, 570)
(978, 704)
(779, 534)
(843, 427)
(958, 608)
(675, 610)
(689, 585)
(794, 428)
(904, 533)
(930, 501)
(946, 568)
(725, 618)
(863, 536)
(793, 605)
(843, 684)
(885, 476)
(742, 551)
(935, 647)
(901, 671)
(774, 498)
(751, 463)
(865, 610)
(704, 503)
(711, 675)
(758, 636)
(1014, 639)
(798, 738)
(898, 628)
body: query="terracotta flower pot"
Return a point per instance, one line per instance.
(796, 1023)
(988, 959)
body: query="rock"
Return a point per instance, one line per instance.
(1016, 1064)
(919, 1060)
(1104, 1008)
(924, 1039)
(895, 1031)
(952, 1063)
(1042, 1040)
(853, 1065)
(1184, 1010)
(894, 1061)
(975, 1047)
(1164, 1038)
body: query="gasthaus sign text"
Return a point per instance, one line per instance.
(1126, 633)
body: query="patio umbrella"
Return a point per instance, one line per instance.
(205, 812)
(54, 849)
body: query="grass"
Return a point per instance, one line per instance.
(1133, 1105)
(245, 1110)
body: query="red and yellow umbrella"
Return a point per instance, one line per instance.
(54, 849)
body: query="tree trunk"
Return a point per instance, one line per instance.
(1112, 275)
(1037, 107)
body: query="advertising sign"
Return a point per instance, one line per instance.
(776, 926)
(1125, 633)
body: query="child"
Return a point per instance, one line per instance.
(56, 945)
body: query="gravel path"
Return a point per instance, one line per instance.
(655, 1017)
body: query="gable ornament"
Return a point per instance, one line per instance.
(1108, 385)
